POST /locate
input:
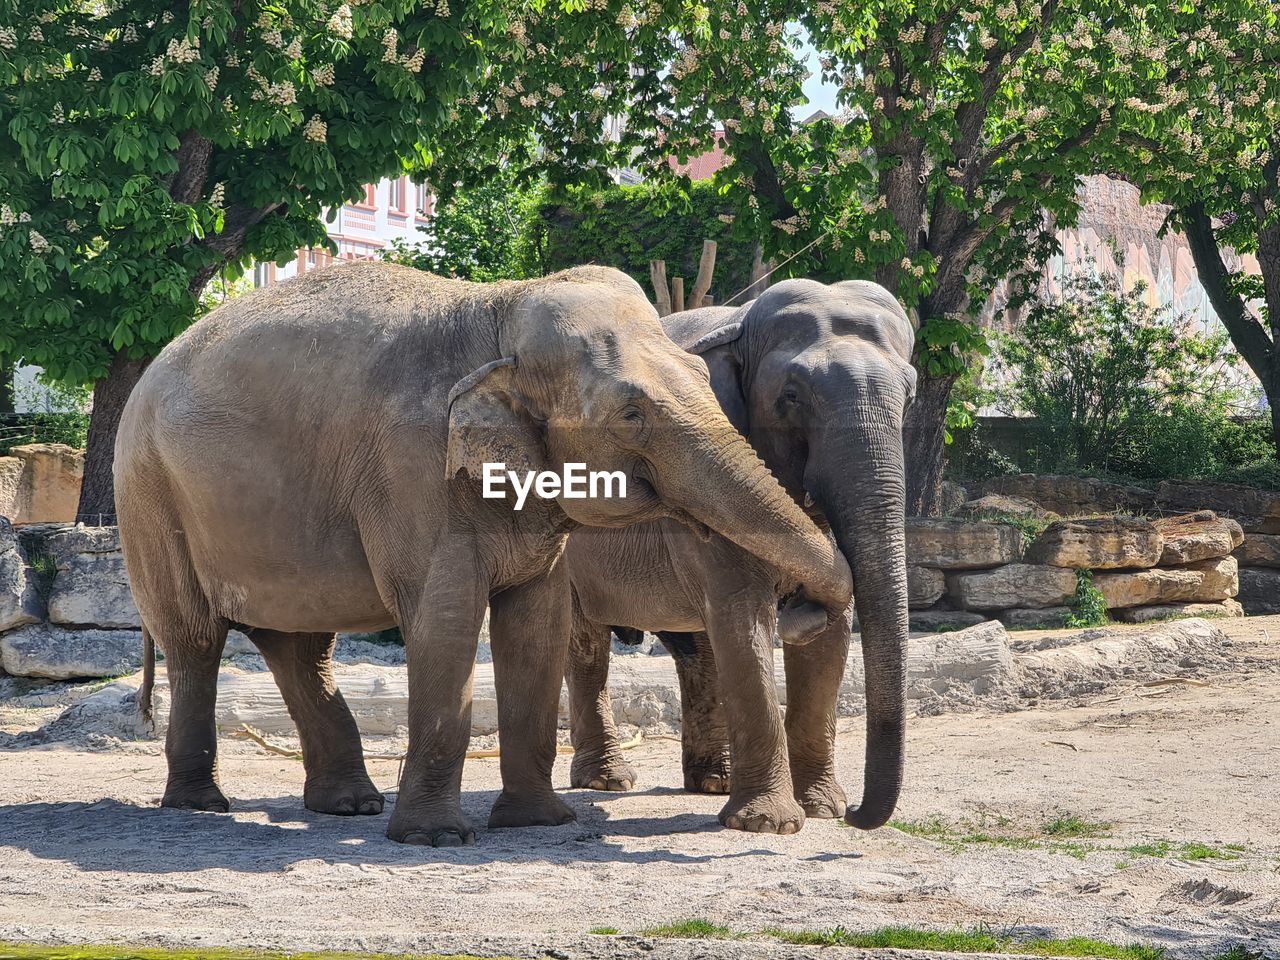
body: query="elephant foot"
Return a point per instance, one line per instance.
(354, 796)
(612, 775)
(822, 799)
(765, 813)
(205, 795)
(707, 776)
(446, 829)
(546, 810)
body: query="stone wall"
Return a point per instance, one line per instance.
(1256, 511)
(40, 483)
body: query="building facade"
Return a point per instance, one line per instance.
(394, 209)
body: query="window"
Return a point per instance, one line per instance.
(396, 196)
(423, 203)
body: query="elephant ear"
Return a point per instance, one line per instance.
(488, 423)
(716, 350)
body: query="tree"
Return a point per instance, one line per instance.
(147, 145)
(963, 132)
(1218, 163)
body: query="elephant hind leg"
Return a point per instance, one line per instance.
(193, 650)
(302, 665)
(598, 763)
(704, 736)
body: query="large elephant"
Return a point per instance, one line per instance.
(293, 465)
(818, 379)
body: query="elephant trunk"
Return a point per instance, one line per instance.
(862, 491)
(765, 521)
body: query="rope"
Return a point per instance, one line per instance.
(766, 276)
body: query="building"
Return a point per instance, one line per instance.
(395, 209)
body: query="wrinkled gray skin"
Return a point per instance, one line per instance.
(307, 459)
(818, 378)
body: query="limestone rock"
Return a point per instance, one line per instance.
(47, 488)
(1071, 495)
(42, 650)
(1048, 618)
(1013, 585)
(1257, 511)
(1167, 611)
(950, 544)
(1202, 535)
(938, 618)
(1259, 550)
(953, 498)
(1205, 581)
(10, 486)
(995, 505)
(1259, 591)
(924, 586)
(1101, 543)
(90, 587)
(19, 595)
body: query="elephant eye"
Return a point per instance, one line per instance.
(790, 397)
(629, 424)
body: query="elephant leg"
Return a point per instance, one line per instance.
(814, 672)
(741, 621)
(302, 664)
(598, 763)
(529, 629)
(441, 626)
(704, 737)
(193, 650)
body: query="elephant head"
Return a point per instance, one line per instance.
(586, 374)
(819, 378)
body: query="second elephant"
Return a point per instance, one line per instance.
(818, 378)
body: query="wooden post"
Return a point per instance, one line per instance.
(677, 294)
(706, 267)
(760, 269)
(662, 296)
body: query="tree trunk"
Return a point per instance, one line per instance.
(924, 438)
(98, 491)
(7, 372)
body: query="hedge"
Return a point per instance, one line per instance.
(627, 226)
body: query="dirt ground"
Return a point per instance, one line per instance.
(1144, 813)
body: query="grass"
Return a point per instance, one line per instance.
(967, 941)
(23, 951)
(691, 929)
(980, 940)
(1191, 851)
(1066, 834)
(604, 931)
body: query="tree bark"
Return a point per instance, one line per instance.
(98, 490)
(924, 438)
(1258, 345)
(7, 371)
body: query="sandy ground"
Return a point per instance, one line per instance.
(87, 855)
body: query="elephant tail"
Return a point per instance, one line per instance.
(147, 687)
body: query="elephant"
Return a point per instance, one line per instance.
(309, 458)
(818, 379)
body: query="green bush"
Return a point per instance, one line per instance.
(1122, 388)
(626, 227)
(1088, 606)
(476, 234)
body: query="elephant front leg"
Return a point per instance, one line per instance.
(598, 763)
(302, 664)
(741, 633)
(441, 626)
(529, 631)
(704, 737)
(814, 672)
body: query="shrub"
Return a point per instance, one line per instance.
(1088, 606)
(58, 414)
(1121, 387)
